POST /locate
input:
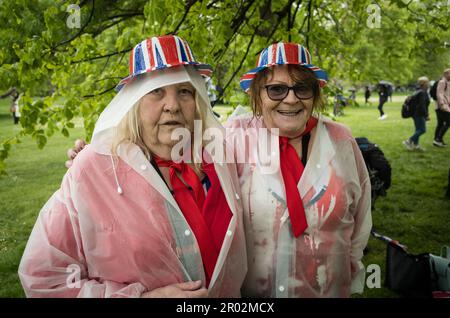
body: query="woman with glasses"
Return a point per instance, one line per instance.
(308, 222)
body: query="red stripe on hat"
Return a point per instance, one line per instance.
(132, 61)
(151, 56)
(205, 72)
(248, 76)
(170, 51)
(308, 56)
(188, 51)
(274, 54)
(291, 52)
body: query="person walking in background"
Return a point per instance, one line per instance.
(14, 109)
(383, 92)
(352, 96)
(390, 91)
(442, 109)
(421, 100)
(367, 94)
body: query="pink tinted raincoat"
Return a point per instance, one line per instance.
(325, 261)
(91, 241)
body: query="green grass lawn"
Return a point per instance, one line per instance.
(33, 175)
(414, 211)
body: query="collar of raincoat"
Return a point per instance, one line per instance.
(131, 93)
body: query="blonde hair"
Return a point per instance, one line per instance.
(129, 130)
(447, 71)
(422, 81)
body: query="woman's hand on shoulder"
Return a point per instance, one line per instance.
(73, 152)
(180, 290)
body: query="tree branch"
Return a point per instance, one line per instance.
(124, 17)
(309, 23)
(109, 78)
(81, 29)
(211, 4)
(127, 15)
(236, 24)
(240, 64)
(101, 56)
(104, 66)
(293, 18)
(303, 24)
(188, 7)
(102, 93)
(289, 24)
(281, 15)
(270, 37)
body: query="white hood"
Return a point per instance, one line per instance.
(132, 92)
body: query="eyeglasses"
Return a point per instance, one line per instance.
(279, 92)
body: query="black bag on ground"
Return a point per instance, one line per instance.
(378, 167)
(407, 274)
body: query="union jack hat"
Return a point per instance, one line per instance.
(279, 54)
(162, 52)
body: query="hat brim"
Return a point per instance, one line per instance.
(205, 70)
(247, 78)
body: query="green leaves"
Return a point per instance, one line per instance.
(67, 74)
(41, 140)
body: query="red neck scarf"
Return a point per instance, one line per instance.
(208, 216)
(292, 170)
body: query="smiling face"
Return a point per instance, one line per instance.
(291, 113)
(163, 110)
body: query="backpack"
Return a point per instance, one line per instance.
(433, 90)
(408, 106)
(378, 167)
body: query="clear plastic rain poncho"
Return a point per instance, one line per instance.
(324, 261)
(113, 229)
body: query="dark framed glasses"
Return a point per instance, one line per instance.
(279, 92)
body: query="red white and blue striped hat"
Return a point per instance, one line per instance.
(162, 52)
(279, 54)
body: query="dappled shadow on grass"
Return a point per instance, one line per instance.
(6, 117)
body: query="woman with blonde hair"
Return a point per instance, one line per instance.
(130, 220)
